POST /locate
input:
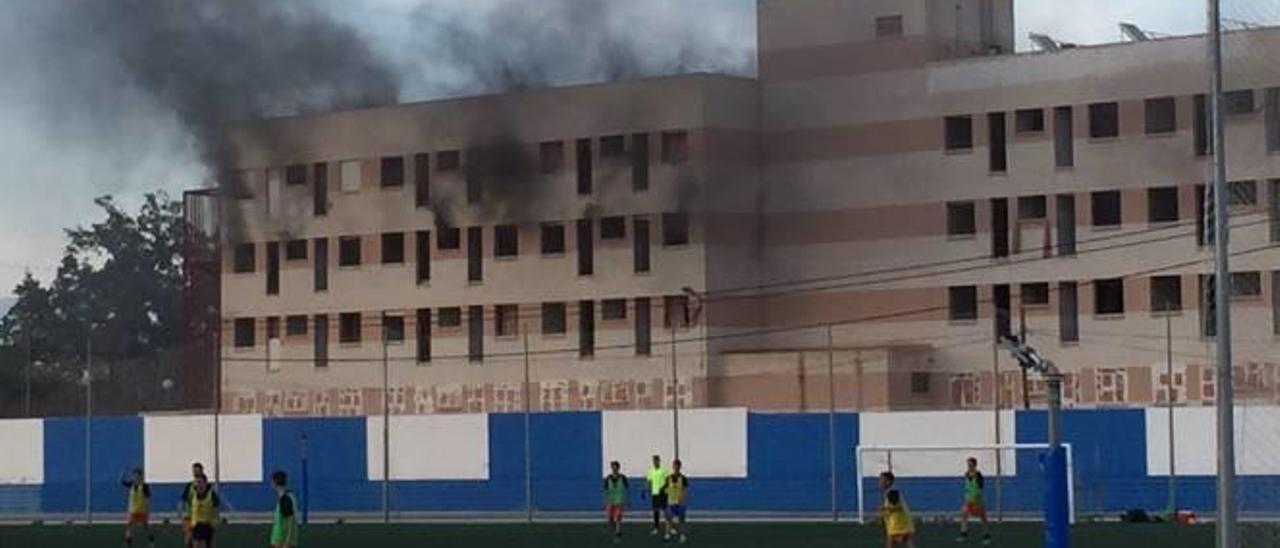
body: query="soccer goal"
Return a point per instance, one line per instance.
(931, 478)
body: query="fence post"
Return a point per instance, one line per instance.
(831, 421)
(528, 431)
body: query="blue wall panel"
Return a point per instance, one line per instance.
(337, 467)
(567, 457)
(117, 448)
(1110, 456)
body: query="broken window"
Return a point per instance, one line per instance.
(349, 327)
(640, 245)
(393, 248)
(448, 238)
(506, 241)
(321, 340)
(295, 250)
(392, 328)
(643, 327)
(1034, 294)
(1166, 293)
(1063, 137)
(1162, 204)
(350, 176)
(613, 228)
(1161, 115)
(1104, 120)
(1108, 296)
(475, 254)
(320, 267)
(551, 156)
(392, 171)
(675, 147)
(586, 329)
(244, 332)
(295, 326)
(585, 166)
(421, 180)
(449, 316)
(320, 190)
(1066, 207)
(349, 251)
(1030, 120)
(422, 255)
(505, 318)
(1106, 208)
(295, 174)
(888, 26)
(675, 229)
(613, 146)
(958, 132)
(245, 258)
(1032, 208)
(639, 162)
(475, 334)
(961, 219)
(553, 318)
(273, 268)
(613, 309)
(552, 238)
(962, 303)
(1068, 315)
(423, 332)
(998, 158)
(448, 161)
(586, 248)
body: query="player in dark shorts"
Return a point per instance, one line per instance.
(657, 493)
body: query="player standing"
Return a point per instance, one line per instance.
(616, 488)
(184, 503)
(899, 528)
(139, 507)
(204, 512)
(677, 502)
(657, 479)
(284, 523)
(974, 503)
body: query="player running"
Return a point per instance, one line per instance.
(284, 523)
(204, 512)
(139, 507)
(184, 503)
(616, 488)
(974, 505)
(677, 500)
(657, 479)
(899, 528)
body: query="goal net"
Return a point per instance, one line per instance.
(931, 478)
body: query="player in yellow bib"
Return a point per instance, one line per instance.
(139, 507)
(204, 512)
(899, 527)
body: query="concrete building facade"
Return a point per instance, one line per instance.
(859, 222)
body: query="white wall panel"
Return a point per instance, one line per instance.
(172, 443)
(22, 459)
(713, 442)
(1195, 440)
(431, 447)
(935, 428)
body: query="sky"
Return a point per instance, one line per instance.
(56, 155)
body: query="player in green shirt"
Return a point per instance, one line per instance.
(284, 522)
(615, 498)
(974, 503)
(657, 478)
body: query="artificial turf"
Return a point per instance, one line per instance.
(549, 535)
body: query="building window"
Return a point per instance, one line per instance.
(553, 318)
(998, 159)
(1002, 307)
(295, 326)
(393, 171)
(640, 246)
(586, 329)
(349, 172)
(643, 327)
(1166, 293)
(349, 251)
(613, 309)
(962, 303)
(675, 147)
(677, 312)
(1066, 207)
(585, 167)
(320, 267)
(505, 318)
(392, 329)
(1238, 102)
(506, 241)
(295, 250)
(1034, 294)
(1208, 306)
(1275, 302)
(320, 190)
(1106, 208)
(393, 248)
(551, 157)
(448, 161)
(919, 382)
(1271, 120)
(475, 254)
(1068, 314)
(1030, 120)
(242, 185)
(639, 162)
(295, 174)
(1162, 204)
(999, 227)
(1200, 125)
(321, 340)
(244, 332)
(961, 219)
(449, 316)
(675, 229)
(1273, 195)
(1246, 284)
(613, 146)
(423, 332)
(1104, 120)
(273, 268)
(613, 228)
(1162, 115)
(1032, 208)
(552, 238)
(421, 180)
(1108, 296)
(422, 254)
(349, 327)
(888, 26)
(586, 248)
(448, 238)
(959, 132)
(1063, 137)
(1242, 193)
(475, 334)
(245, 259)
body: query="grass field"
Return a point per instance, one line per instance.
(545, 535)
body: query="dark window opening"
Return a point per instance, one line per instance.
(958, 132)
(505, 320)
(677, 312)
(551, 156)
(1106, 208)
(422, 255)
(1246, 284)
(643, 327)
(273, 268)
(1275, 302)
(393, 171)
(919, 382)
(639, 162)
(1068, 315)
(552, 238)
(998, 158)
(1271, 119)
(1166, 293)
(1273, 196)
(1108, 296)
(273, 328)
(586, 248)
(640, 245)
(675, 147)
(1066, 224)
(423, 332)
(613, 309)
(1238, 102)
(1242, 193)
(961, 219)
(393, 248)
(1001, 302)
(553, 318)
(613, 228)
(448, 160)
(245, 258)
(962, 303)
(613, 146)
(1029, 120)
(1200, 125)
(888, 26)
(320, 267)
(1104, 120)
(1032, 208)
(475, 334)
(586, 329)
(421, 180)
(675, 229)
(1162, 204)
(999, 227)
(295, 250)
(392, 329)
(475, 254)
(1208, 306)
(320, 190)
(349, 251)
(1034, 294)
(295, 174)
(295, 326)
(244, 332)
(585, 166)
(1161, 115)
(349, 327)
(321, 340)
(449, 238)
(449, 316)
(1063, 137)
(506, 241)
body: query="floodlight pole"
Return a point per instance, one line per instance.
(1057, 499)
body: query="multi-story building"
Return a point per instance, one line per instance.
(894, 190)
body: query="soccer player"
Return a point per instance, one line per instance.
(677, 499)
(899, 528)
(616, 488)
(204, 512)
(184, 503)
(139, 507)
(284, 524)
(657, 479)
(974, 506)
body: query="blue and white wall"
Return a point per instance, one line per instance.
(739, 461)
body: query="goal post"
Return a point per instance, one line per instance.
(929, 476)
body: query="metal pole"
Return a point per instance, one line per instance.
(217, 407)
(1222, 294)
(386, 430)
(1168, 367)
(528, 443)
(88, 427)
(831, 420)
(995, 366)
(675, 394)
(306, 483)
